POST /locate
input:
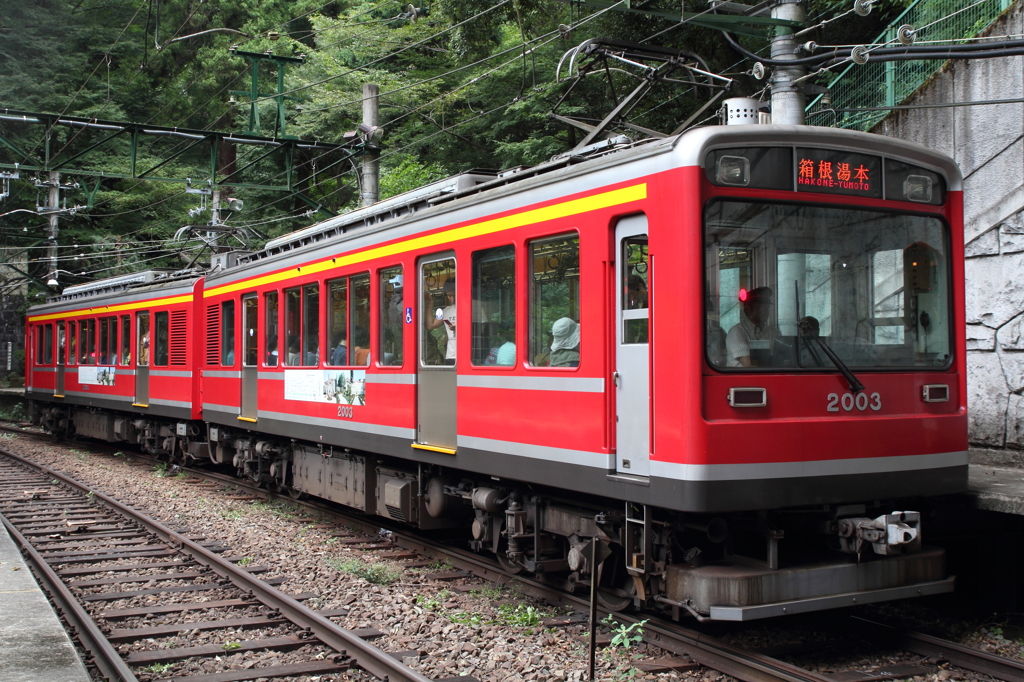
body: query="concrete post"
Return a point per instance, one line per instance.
(53, 203)
(371, 159)
(788, 100)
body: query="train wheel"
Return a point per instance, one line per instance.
(617, 599)
(297, 494)
(616, 588)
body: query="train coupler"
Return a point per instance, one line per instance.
(888, 534)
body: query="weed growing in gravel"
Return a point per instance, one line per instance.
(519, 616)
(245, 561)
(379, 573)
(91, 496)
(496, 592)
(230, 646)
(232, 514)
(182, 474)
(8, 436)
(161, 469)
(624, 636)
(282, 509)
(158, 668)
(80, 457)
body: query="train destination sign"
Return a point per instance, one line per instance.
(838, 172)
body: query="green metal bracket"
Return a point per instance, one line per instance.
(254, 94)
(90, 194)
(314, 204)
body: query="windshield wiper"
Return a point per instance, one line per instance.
(809, 331)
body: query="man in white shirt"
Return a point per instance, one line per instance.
(755, 330)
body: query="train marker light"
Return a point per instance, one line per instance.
(918, 188)
(744, 295)
(734, 170)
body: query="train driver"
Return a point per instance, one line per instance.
(755, 332)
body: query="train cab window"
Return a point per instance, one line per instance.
(311, 325)
(227, 334)
(126, 340)
(72, 343)
(392, 316)
(143, 337)
(87, 342)
(494, 306)
(337, 322)
(270, 339)
(790, 286)
(161, 339)
(359, 319)
(438, 344)
(555, 302)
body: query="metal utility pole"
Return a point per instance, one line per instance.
(370, 191)
(53, 202)
(788, 99)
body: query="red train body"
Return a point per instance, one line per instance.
(605, 380)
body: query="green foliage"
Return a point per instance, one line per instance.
(160, 469)
(469, 85)
(378, 573)
(158, 668)
(231, 646)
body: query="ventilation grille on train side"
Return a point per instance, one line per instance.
(179, 337)
(213, 334)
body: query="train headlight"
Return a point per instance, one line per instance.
(733, 170)
(918, 188)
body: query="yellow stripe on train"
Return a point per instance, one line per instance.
(537, 215)
(105, 309)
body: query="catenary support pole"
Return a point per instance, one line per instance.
(371, 159)
(788, 100)
(53, 203)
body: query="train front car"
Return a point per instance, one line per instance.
(827, 339)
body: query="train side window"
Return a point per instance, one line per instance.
(438, 313)
(634, 289)
(292, 327)
(270, 317)
(108, 341)
(392, 316)
(126, 340)
(72, 343)
(160, 331)
(46, 345)
(311, 325)
(143, 337)
(337, 321)
(250, 322)
(87, 342)
(494, 306)
(61, 343)
(555, 302)
(103, 354)
(359, 319)
(227, 334)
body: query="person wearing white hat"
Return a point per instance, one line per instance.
(565, 345)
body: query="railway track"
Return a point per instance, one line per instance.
(690, 644)
(71, 535)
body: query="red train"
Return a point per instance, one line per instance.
(722, 356)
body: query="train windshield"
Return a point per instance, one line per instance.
(791, 286)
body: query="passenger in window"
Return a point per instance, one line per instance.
(312, 357)
(504, 351)
(339, 355)
(565, 343)
(361, 350)
(752, 338)
(272, 353)
(396, 311)
(294, 352)
(636, 293)
(446, 316)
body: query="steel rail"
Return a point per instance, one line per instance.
(999, 667)
(366, 656)
(706, 650)
(89, 635)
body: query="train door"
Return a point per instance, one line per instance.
(142, 365)
(58, 387)
(250, 357)
(436, 376)
(632, 356)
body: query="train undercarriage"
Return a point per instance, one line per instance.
(741, 566)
